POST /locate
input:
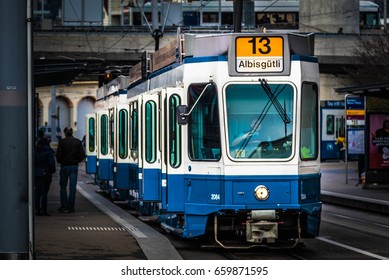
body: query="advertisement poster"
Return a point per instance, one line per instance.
(356, 141)
(379, 141)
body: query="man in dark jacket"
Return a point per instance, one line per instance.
(44, 169)
(69, 154)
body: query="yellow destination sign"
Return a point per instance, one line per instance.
(259, 54)
(355, 112)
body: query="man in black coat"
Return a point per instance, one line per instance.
(70, 153)
(44, 169)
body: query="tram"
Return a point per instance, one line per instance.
(333, 125)
(217, 137)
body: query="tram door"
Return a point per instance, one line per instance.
(150, 173)
(121, 162)
(173, 181)
(104, 153)
(90, 144)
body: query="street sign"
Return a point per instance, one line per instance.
(355, 124)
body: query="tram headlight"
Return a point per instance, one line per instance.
(261, 192)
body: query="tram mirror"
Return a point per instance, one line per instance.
(182, 116)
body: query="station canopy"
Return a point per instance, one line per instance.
(380, 90)
(57, 74)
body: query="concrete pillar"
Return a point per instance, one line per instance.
(329, 16)
(15, 130)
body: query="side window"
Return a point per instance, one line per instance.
(174, 132)
(204, 125)
(330, 121)
(104, 134)
(134, 129)
(123, 133)
(151, 131)
(91, 135)
(111, 130)
(309, 121)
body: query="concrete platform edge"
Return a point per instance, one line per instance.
(151, 242)
(368, 204)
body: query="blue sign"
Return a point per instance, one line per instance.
(355, 103)
(334, 104)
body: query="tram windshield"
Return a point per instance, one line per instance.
(260, 120)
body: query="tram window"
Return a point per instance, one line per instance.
(91, 135)
(330, 124)
(340, 126)
(174, 132)
(111, 130)
(259, 125)
(104, 134)
(309, 121)
(123, 133)
(204, 126)
(151, 131)
(134, 130)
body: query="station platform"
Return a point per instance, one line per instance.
(100, 230)
(97, 230)
(340, 185)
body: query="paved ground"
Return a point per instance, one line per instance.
(85, 234)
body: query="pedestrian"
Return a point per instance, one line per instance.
(44, 169)
(69, 154)
(341, 142)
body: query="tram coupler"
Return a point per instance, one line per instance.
(260, 227)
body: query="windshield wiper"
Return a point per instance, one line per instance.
(273, 98)
(272, 101)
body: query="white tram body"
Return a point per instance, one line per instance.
(220, 138)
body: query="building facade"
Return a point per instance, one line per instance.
(72, 103)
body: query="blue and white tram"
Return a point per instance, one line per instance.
(223, 142)
(333, 124)
(101, 156)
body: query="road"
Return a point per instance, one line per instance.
(352, 234)
(345, 234)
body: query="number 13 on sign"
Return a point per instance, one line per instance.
(259, 54)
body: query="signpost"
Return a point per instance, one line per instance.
(355, 127)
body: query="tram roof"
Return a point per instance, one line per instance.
(380, 90)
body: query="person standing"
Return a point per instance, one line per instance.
(69, 154)
(341, 142)
(44, 169)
